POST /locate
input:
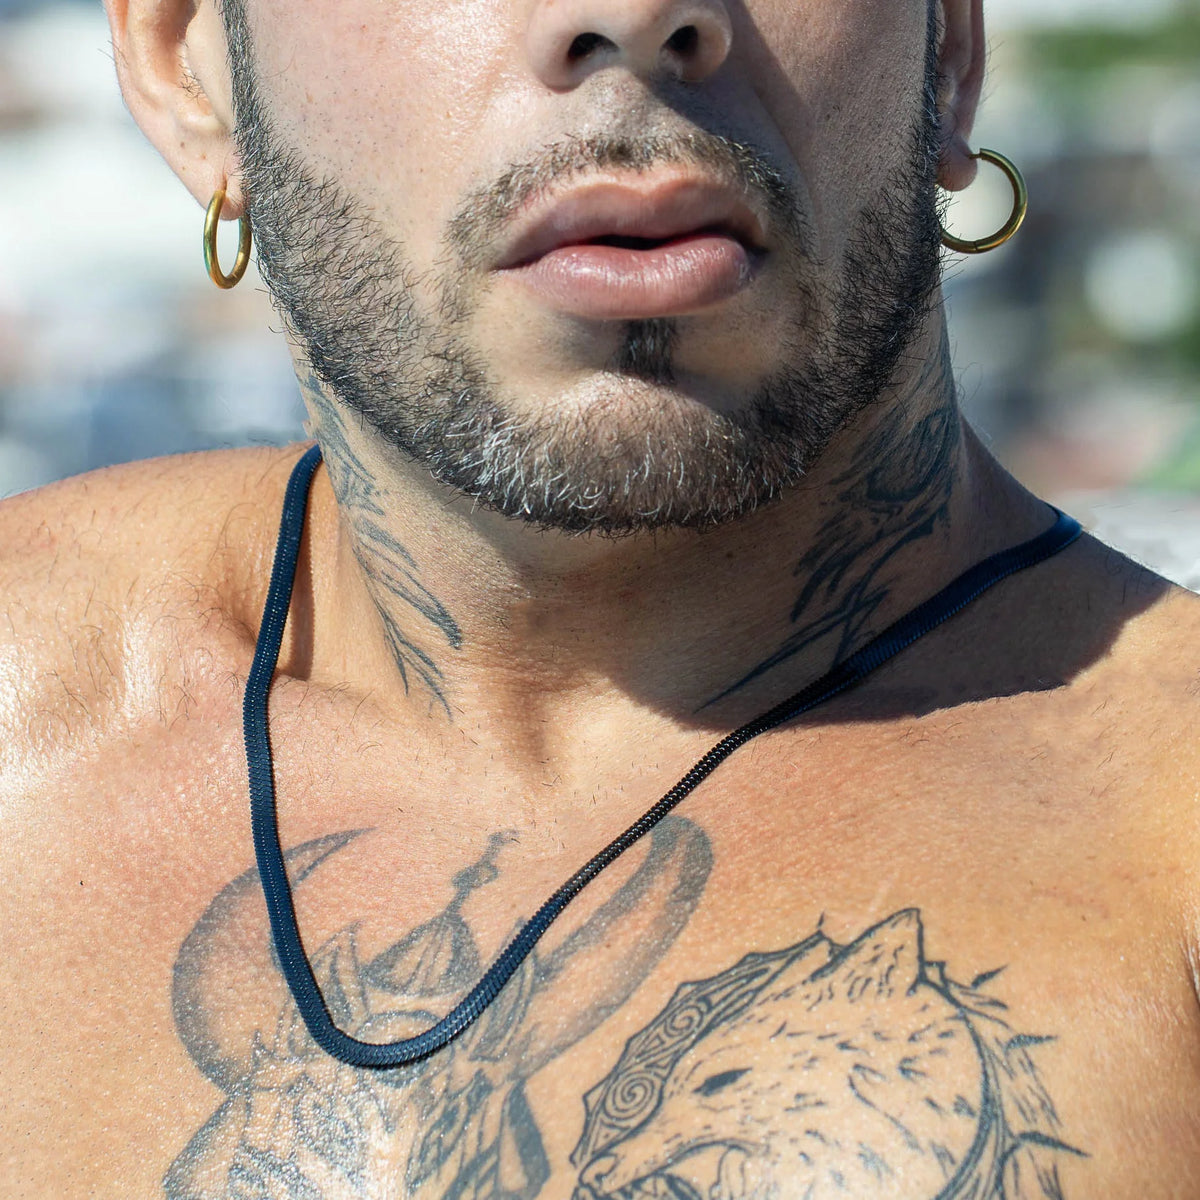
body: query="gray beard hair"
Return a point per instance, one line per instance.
(343, 287)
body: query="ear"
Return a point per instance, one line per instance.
(174, 74)
(962, 62)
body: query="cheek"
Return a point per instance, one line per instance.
(385, 97)
(846, 77)
(408, 103)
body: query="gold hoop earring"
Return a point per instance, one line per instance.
(211, 219)
(1020, 208)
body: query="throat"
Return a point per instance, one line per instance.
(458, 610)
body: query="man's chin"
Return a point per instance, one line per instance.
(636, 405)
(640, 373)
(618, 455)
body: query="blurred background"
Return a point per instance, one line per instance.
(1077, 345)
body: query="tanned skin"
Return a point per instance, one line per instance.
(936, 939)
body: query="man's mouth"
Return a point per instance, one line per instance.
(636, 248)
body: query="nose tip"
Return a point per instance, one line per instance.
(683, 39)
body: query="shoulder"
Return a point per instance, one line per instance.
(1155, 650)
(105, 577)
(1159, 669)
(1139, 703)
(1156, 680)
(1148, 655)
(1101, 658)
(159, 512)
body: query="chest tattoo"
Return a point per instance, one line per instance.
(819, 1071)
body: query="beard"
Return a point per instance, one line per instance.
(345, 291)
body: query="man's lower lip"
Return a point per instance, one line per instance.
(611, 283)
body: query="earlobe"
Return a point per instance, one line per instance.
(170, 57)
(957, 166)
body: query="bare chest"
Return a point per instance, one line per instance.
(825, 975)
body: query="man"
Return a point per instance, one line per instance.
(620, 331)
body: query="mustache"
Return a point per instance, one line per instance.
(486, 211)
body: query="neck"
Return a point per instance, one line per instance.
(485, 622)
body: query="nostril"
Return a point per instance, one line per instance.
(570, 40)
(684, 41)
(588, 43)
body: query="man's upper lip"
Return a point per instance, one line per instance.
(641, 207)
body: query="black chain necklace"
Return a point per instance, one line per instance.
(284, 929)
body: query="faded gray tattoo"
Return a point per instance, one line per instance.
(819, 1071)
(391, 572)
(300, 1125)
(825, 1071)
(895, 492)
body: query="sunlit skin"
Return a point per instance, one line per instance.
(815, 85)
(1000, 824)
(828, 91)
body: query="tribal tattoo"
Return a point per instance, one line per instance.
(895, 493)
(392, 574)
(819, 1070)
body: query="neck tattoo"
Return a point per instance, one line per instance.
(285, 932)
